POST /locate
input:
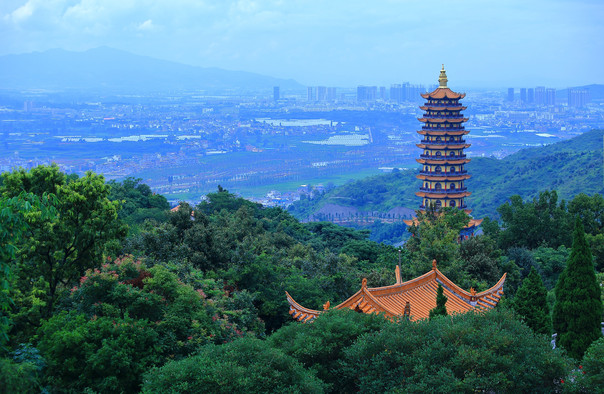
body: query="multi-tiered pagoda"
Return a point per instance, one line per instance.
(443, 160)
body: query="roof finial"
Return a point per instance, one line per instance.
(434, 264)
(442, 79)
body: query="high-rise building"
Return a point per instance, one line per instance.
(523, 95)
(321, 93)
(550, 96)
(578, 97)
(331, 94)
(530, 97)
(510, 97)
(366, 93)
(396, 93)
(540, 95)
(276, 93)
(382, 93)
(443, 159)
(309, 95)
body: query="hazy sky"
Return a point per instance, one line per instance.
(333, 42)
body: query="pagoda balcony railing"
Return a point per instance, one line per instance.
(443, 142)
(443, 157)
(442, 173)
(442, 128)
(442, 191)
(460, 116)
(460, 207)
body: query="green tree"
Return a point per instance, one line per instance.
(12, 227)
(530, 302)
(465, 353)
(247, 365)
(320, 346)
(441, 300)
(578, 307)
(55, 252)
(593, 366)
(436, 238)
(103, 354)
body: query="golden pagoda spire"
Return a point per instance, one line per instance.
(442, 79)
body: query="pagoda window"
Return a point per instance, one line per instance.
(437, 169)
(451, 138)
(426, 185)
(452, 169)
(452, 186)
(452, 203)
(438, 153)
(452, 154)
(437, 139)
(438, 186)
(438, 204)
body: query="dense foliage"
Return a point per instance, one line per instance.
(530, 303)
(106, 290)
(578, 309)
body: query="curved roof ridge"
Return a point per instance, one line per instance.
(493, 289)
(293, 303)
(401, 285)
(452, 286)
(366, 292)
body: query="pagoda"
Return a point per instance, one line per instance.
(443, 159)
(412, 299)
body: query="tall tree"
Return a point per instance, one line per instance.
(441, 300)
(55, 252)
(530, 302)
(578, 307)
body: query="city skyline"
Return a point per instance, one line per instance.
(503, 44)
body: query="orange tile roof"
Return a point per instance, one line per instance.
(440, 93)
(420, 293)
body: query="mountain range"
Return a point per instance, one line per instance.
(105, 68)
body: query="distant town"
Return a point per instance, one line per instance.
(271, 146)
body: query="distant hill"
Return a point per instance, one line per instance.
(570, 167)
(111, 69)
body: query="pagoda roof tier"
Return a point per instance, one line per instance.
(439, 145)
(443, 120)
(446, 194)
(419, 294)
(440, 178)
(441, 93)
(444, 132)
(442, 161)
(443, 108)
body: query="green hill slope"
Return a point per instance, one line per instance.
(570, 167)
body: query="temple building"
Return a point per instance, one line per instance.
(413, 299)
(443, 159)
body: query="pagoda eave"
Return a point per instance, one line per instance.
(442, 161)
(443, 195)
(430, 146)
(443, 120)
(440, 178)
(434, 108)
(441, 93)
(443, 132)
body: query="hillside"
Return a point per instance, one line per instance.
(570, 167)
(112, 69)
